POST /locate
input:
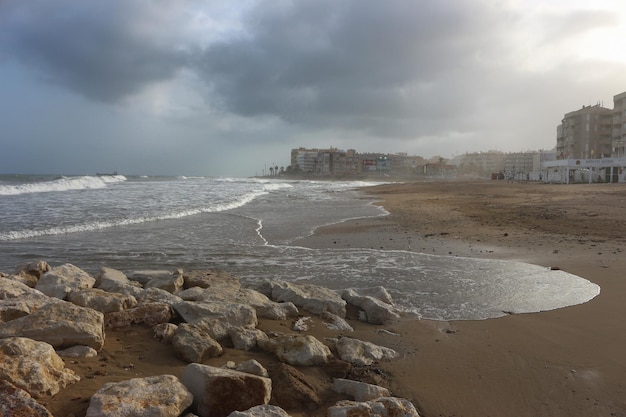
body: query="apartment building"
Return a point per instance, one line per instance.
(586, 133)
(619, 125)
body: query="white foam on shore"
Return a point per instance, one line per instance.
(62, 184)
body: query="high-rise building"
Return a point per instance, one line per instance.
(585, 133)
(619, 125)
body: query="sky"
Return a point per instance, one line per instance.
(226, 88)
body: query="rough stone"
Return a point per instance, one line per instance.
(62, 280)
(218, 280)
(361, 353)
(246, 339)
(158, 295)
(14, 308)
(154, 396)
(264, 307)
(78, 352)
(33, 366)
(172, 283)
(359, 391)
(291, 390)
(261, 411)
(218, 317)
(34, 268)
(17, 402)
(376, 311)
(164, 332)
(381, 407)
(112, 280)
(60, 324)
(102, 301)
(218, 392)
(193, 343)
(312, 298)
(10, 288)
(334, 322)
(149, 315)
(297, 350)
(252, 367)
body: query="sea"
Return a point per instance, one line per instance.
(251, 227)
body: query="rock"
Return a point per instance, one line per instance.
(14, 308)
(301, 324)
(252, 367)
(218, 317)
(60, 324)
(264, 307)
(102, 301)
(154, 396)
(361, 353)
(164, 332)
(291, 390)
(78, 352)
(62, 280)
(35, 268)
(33, 366)
(312, 298)
(381, 407)
(24, 278)
(246, 339)
(193, 294)
(376, 311)
(149, 315)
(218, 392)
(359, 391)
(19, 403)
(297, 350)
(10, 288)
(193, 343)
(172, 283)
(261, 411)
(158, 295)
(112, 280)
(220, 281)
(334, 322)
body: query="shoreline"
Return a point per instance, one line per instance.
(561, 362)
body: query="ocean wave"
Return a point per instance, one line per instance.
(62, 184)
(100, 225)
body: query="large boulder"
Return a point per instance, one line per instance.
(380, 407)
(218, 317)
(246, 339)
(359, 391)
(62, 280)
(375, 310)
(17, 402)
(193, 343)
(264, 307)
(14, 308)
(219, 281)
(10, 288)
(261, 411)
(154, 396)
(217, 392)
(291, 390)
(170, 281)
(102, 301)
(362, 353)
(158, 295)
(297, 350)
(112, 280)
(33, 366)
(312, 298)
(149, 315)
(34, 268)
(60, 324)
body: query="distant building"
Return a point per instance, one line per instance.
(481, 163)
(619, 125)
(585, 133)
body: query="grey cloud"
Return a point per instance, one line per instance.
(98, 49)
(364, 65)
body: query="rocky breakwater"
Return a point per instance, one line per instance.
(50, 313)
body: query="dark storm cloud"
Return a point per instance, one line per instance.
(100, 49)
(367, 65)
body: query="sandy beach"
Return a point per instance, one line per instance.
(566, 362)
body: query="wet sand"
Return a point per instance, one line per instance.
(566, 362)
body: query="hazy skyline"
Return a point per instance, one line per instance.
(224, 88)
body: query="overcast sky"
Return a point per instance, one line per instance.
(226, 87)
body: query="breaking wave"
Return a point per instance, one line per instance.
(62, 184)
